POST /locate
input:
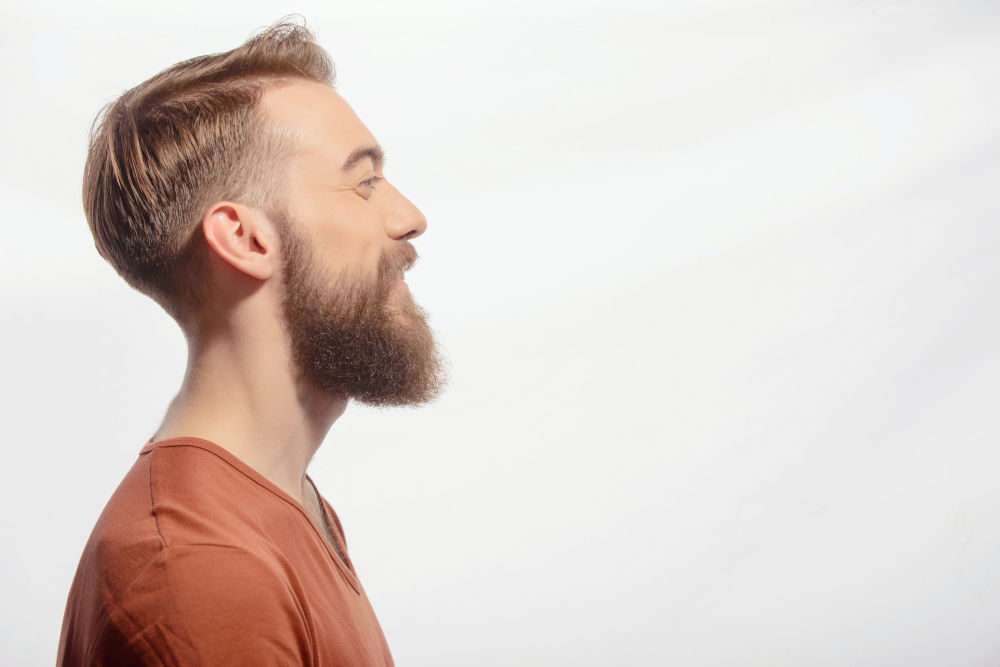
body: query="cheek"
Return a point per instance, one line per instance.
(351, 244)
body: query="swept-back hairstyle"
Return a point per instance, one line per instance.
(194, 134)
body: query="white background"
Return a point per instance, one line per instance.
(718, 283)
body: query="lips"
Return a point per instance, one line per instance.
(395, 263)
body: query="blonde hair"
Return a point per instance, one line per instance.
(167, 149)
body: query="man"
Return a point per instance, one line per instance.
(242, 193)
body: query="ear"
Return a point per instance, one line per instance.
(243, 237)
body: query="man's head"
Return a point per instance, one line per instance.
(260, 129)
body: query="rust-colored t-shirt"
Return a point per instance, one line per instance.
(200, 560)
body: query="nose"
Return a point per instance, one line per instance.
(403, 220)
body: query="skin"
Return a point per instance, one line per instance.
(241, 389)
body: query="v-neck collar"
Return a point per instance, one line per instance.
(346, 568)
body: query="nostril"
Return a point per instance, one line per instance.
(410, 234)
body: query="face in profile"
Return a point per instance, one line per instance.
(354, 328)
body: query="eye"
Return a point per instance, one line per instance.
(370, 182)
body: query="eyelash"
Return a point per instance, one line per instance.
(372, 181)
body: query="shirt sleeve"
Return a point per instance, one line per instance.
(207, 605)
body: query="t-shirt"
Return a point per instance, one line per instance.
(198, 559)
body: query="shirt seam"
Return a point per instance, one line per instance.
(348, 573)
(152, 504)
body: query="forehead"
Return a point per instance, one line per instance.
(325, 125)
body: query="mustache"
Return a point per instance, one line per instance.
(396, 261)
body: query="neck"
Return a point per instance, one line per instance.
(238, 393)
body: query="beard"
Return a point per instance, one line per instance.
(354, 336)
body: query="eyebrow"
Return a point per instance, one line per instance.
(374, 152)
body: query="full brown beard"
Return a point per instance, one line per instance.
(350, 335)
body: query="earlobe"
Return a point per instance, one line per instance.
(240, 236)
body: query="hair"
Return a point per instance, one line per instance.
(163, 152)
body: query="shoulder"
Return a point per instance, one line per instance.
(211, 604)
(199, 496)
(177, 505)
(186, 467)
